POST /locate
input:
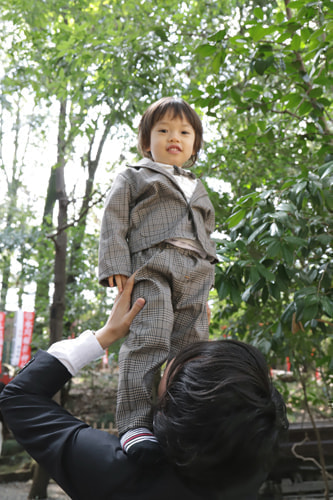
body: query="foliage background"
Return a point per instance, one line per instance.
(76, 76)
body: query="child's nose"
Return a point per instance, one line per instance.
(174, 137)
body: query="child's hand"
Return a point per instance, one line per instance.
(121, 316)
(118, 280)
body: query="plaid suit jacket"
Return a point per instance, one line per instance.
(145, 207)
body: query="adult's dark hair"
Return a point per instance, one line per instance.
(220, 418)
(156, 111)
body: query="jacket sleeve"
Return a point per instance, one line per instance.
(75, 455)
(114, 255)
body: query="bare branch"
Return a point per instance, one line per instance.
(75, 221)
(307, 459)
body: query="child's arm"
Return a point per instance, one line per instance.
(114, 255)
(119, 280)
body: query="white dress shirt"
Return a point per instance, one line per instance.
(74, 354)
(187, 185)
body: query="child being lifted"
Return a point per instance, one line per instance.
(158, 222)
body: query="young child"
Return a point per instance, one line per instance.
(157, 221)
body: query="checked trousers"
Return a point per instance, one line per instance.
(175, 283)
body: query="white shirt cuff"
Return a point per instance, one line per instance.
(74, 354)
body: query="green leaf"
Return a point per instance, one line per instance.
(293, 100)
(224, 289)
(218, 61)
(324, 239)
(307, 295)
(274, 248)
(258, 12)
(309, 312)
(282, 280)
(286, 207)
(218, 36)
(300, 186)
(264, 345)
(279, 17)
(254, 274)
(235, 94)
(265, 273)
(295, 242)
(274, 291)
(258, 32)
(288, 313)
(260, 65)
(329, 200)
(246, 294)
(316, 92)
(161, 33)
(265, 294)
(287, 255)
(305, 108)
(327, 306)
(235, 295)
(297, 4)
(206, 50)
(296, 42)
(258, 231)
(236, 218)
(325, 170)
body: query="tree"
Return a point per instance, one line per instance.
(260, 74)
(85, 74)
(267, 85)
(274, 281)
(16, 214)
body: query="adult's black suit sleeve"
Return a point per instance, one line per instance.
(80, 459)
(87, 463)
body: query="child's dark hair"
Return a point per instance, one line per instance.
(220, 419)
(178, 108)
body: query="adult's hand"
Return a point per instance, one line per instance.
(121, 316)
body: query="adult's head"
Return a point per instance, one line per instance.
(173, 107)
(220, 418)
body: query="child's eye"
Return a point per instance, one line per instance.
(163, 130)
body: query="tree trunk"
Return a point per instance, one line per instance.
(43, 280)
(5, 272)
(58, 304)
(40, 479)
(13, 185)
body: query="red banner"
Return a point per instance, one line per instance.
(2, 335)
(28, 325)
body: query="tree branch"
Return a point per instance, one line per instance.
(303, 71)
(75, 221)
(307, 459)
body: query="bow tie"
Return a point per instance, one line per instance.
(181, 171)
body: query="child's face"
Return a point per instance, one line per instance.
(172, 140)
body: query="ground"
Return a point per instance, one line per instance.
(92, 397)
(19, 491)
